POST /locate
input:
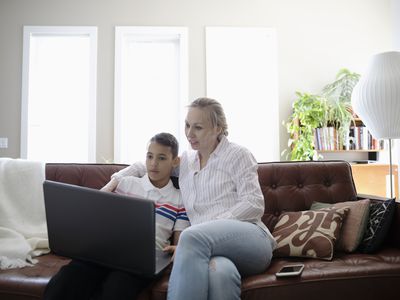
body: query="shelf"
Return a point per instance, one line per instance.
(350, 151)
(328, 139)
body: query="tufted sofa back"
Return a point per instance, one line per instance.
(287, 186)
(294, 186)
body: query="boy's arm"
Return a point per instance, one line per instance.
(175, 237)
(171, 248)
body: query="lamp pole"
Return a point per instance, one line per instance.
(390, 168)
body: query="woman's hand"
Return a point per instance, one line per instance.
(110, 186)
(170, 249)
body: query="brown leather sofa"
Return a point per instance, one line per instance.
(287, 186)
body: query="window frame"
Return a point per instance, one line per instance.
(141, 33)
(29, 31)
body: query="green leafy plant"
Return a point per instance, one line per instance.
(308, 113)
(338, 96)
(331, 108)
(340, 90)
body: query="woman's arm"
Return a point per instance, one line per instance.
(110, 186)
(137, 169)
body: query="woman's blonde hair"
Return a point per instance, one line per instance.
(215, 112)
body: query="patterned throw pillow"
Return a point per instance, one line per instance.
(309, 233)
(355, 224)
(380, 218)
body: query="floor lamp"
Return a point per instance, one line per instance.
(376, 99)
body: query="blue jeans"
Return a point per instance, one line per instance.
(211, 258)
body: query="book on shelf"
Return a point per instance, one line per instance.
(357, 138)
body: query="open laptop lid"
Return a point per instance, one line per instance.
(113, 230)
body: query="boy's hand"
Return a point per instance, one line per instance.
(170, 249)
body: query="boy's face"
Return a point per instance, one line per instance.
(159, 164)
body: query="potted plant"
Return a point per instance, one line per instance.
(338, 95)
(308, 113)
(331, 108)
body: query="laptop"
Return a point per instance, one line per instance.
(105, 228)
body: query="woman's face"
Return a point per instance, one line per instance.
(201, 134)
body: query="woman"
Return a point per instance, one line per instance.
(224, 203)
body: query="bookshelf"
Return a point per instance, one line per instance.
(358, 140)
(361, 150)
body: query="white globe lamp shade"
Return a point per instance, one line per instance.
(376, 97)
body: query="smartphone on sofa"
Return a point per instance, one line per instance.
(290, 270)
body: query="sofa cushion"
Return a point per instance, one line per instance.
(355, 224)
(309, 233)
(380, 218)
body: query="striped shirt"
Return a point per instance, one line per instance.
(170, 213)
(226, 188)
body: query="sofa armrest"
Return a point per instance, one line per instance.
(393, 236)
(372, 197)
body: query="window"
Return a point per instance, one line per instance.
(242, 75)
(59, 94)
(150, 87)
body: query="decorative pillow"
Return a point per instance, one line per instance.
(380, 218)
(308, 233)
(355, 224)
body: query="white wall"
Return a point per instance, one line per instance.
(316, 38)
(395, 18)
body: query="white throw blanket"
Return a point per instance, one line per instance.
(23, 230)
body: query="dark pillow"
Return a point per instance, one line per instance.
(380, 218)
(308, 233)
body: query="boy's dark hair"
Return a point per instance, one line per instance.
(167, 139)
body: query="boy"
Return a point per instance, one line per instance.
(82, 280)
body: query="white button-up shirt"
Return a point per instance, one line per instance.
(226, 188)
